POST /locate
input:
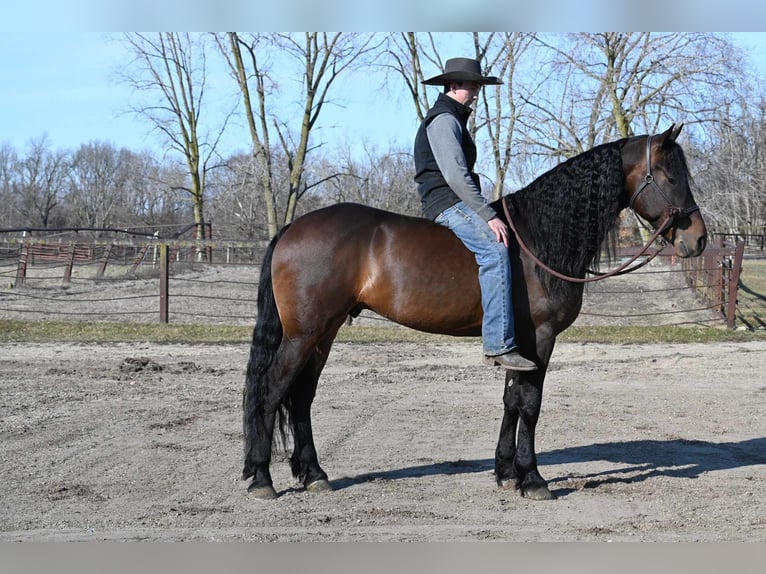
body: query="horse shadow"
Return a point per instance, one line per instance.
(678, 458)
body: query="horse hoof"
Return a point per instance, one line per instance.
(262, 492)
(538, 493)
(509, 484)
(321, 485)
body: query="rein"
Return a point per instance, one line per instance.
(671, 211)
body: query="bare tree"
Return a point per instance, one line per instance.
(153, 194)
(596, 87)
(382, 179)
(41, 179)
(731, 162)
(173, 67)
(8, 162)
(604, 86)
(318, 59)
(240, 54)
(95, 196)
(233, 203)
(405, 53)
(501, 106)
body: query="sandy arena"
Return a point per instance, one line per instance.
(143, 442)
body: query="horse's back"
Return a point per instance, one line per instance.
(349, 256)
(354, 228)
(354, 217)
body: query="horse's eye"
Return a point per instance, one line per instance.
(671, 180)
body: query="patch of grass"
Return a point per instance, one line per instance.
(392, 334)
(62, 331)
(751, 297)
(659, 334)
(754, 275)
(97, 332)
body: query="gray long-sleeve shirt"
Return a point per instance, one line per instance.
(444, 135)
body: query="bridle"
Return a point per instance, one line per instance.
(671, 214)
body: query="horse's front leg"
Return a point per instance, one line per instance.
(515, 457)
(530, 394)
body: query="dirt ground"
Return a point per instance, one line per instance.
(143, 442)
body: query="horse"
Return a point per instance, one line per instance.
(334, 262)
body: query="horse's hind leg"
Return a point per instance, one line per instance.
(304, 461)
(264, 395)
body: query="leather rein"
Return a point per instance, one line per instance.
(672, 213)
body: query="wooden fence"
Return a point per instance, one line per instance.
(714, 276)
(139, 253)
(753, 240)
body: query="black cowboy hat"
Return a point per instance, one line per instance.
(462, 70)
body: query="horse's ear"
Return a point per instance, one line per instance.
(676, 130)
(669, 136)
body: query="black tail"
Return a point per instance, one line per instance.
(267, 336)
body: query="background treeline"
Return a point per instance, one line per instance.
(562, 94)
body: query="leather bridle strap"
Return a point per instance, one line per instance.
(649, 180)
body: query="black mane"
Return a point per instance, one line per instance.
(568, 212)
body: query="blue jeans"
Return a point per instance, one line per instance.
(497, 330)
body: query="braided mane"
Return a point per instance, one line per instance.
(569, 211)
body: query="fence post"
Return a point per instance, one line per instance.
(70, 262)
(720, 279)
(21, 270)
(209, 227)
(164, 268)
(736, 269)
(104, 261)
(139, 257)
(717, 279)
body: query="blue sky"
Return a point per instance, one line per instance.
(63, 85)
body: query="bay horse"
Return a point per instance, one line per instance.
(334, 262)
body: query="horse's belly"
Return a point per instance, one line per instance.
(433, 306)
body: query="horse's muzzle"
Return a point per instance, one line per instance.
(690, 240)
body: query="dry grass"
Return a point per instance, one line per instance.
(105, 332)
(751, 300)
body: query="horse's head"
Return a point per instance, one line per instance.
(658, 190)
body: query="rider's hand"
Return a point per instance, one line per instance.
(500, 229)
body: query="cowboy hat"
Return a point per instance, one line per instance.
(462, 70)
